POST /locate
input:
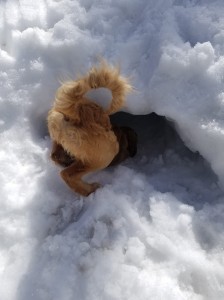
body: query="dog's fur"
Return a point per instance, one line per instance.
(126, 137)
(82, 128)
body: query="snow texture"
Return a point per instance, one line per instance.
(155, 228)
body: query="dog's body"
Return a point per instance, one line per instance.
(81, 130)
(127, 140)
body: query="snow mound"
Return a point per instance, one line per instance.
(155, 229)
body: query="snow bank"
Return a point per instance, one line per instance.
(188, 88)
(155, 230)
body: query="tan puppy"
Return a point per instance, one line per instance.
(83, 128)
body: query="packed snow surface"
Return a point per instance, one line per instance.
(155, 228)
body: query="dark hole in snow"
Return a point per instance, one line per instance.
(168, 164)
(155, 134)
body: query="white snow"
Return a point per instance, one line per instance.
(155, 228)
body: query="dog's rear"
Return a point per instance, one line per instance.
(83, 128)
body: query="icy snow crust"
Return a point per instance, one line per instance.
(155, 229)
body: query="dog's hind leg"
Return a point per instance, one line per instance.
(73, 174)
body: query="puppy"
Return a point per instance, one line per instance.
(83, 129)
(126, 137)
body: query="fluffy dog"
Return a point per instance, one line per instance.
(82, 129)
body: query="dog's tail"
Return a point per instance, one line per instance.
(72, 93)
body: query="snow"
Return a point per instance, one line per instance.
(155, 228)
